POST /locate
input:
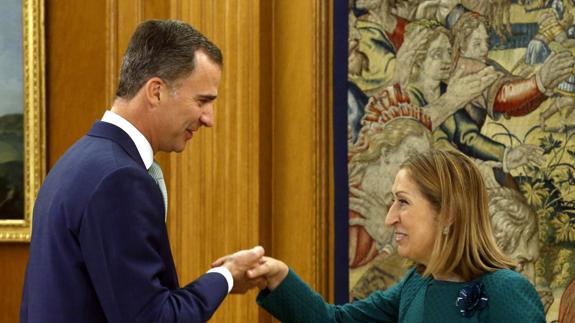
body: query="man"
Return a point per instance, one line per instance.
(99, 249)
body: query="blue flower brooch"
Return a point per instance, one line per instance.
(471, 298)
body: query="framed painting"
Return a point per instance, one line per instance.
(22, 115)
(394, 59)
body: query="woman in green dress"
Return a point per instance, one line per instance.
(441, 222)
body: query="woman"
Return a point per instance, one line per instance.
(441, 222)
(427, 82)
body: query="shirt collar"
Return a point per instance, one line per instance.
(142, 144)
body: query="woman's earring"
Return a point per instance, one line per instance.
(445, 230)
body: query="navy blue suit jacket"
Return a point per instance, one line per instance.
(100, 250)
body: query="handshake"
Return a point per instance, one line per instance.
(250, 269)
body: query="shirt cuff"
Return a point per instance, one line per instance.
(227, 275)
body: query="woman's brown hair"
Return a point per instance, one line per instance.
(464, 244)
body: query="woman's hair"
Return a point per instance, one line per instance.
(420, 52)
(451, 182)
(462, 30)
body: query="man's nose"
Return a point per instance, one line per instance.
(207, 117)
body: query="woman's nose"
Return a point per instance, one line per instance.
(391, 218)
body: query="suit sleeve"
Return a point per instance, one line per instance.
(127, 255)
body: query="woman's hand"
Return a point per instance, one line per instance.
(272, 270)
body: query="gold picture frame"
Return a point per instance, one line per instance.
(34, 151)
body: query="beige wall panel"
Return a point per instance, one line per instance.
(75, 80)
(300, 139)
(130, 14)
(216, 180)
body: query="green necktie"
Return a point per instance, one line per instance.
(156, 172)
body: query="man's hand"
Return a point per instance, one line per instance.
(238, 264)
(272, 270)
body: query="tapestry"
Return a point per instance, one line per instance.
(489, 78)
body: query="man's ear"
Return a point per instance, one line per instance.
(153, 89)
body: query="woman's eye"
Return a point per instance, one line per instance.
(401, 202)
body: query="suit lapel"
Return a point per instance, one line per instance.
(109, 131)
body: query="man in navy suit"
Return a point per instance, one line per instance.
(100, 249)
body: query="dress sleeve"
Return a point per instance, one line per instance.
(124, 243)
(293, 301)
(512, 298)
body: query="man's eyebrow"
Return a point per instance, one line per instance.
(206, 97)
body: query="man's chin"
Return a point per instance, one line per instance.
(179, 149)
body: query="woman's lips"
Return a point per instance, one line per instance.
(399, 236)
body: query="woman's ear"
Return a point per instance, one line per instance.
(445, 220)
(446, 225)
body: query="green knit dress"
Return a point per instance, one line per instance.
(507, 297)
